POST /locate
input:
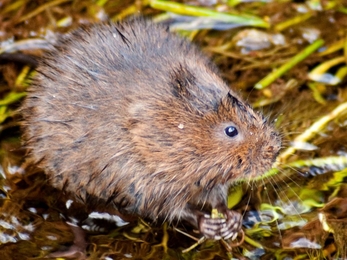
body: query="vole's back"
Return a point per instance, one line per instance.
(134, 115)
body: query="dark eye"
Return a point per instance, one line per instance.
(231, 131)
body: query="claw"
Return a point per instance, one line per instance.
(218, 228)
(234, 237)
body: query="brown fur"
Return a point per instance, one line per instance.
(134, 115)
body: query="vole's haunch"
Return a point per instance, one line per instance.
(137, 117)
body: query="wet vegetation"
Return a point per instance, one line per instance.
(288, 58)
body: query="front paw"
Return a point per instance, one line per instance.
(218, 228)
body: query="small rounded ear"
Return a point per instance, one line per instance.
(231, 105)
(181, 78)
(235, 102)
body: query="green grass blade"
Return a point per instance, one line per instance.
(182, 9)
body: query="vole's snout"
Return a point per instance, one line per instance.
(276, 138)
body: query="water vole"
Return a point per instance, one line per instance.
(137, 117)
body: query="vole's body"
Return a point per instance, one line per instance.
(135, 116)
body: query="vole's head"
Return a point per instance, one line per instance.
(205, 134)
(245, 141)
